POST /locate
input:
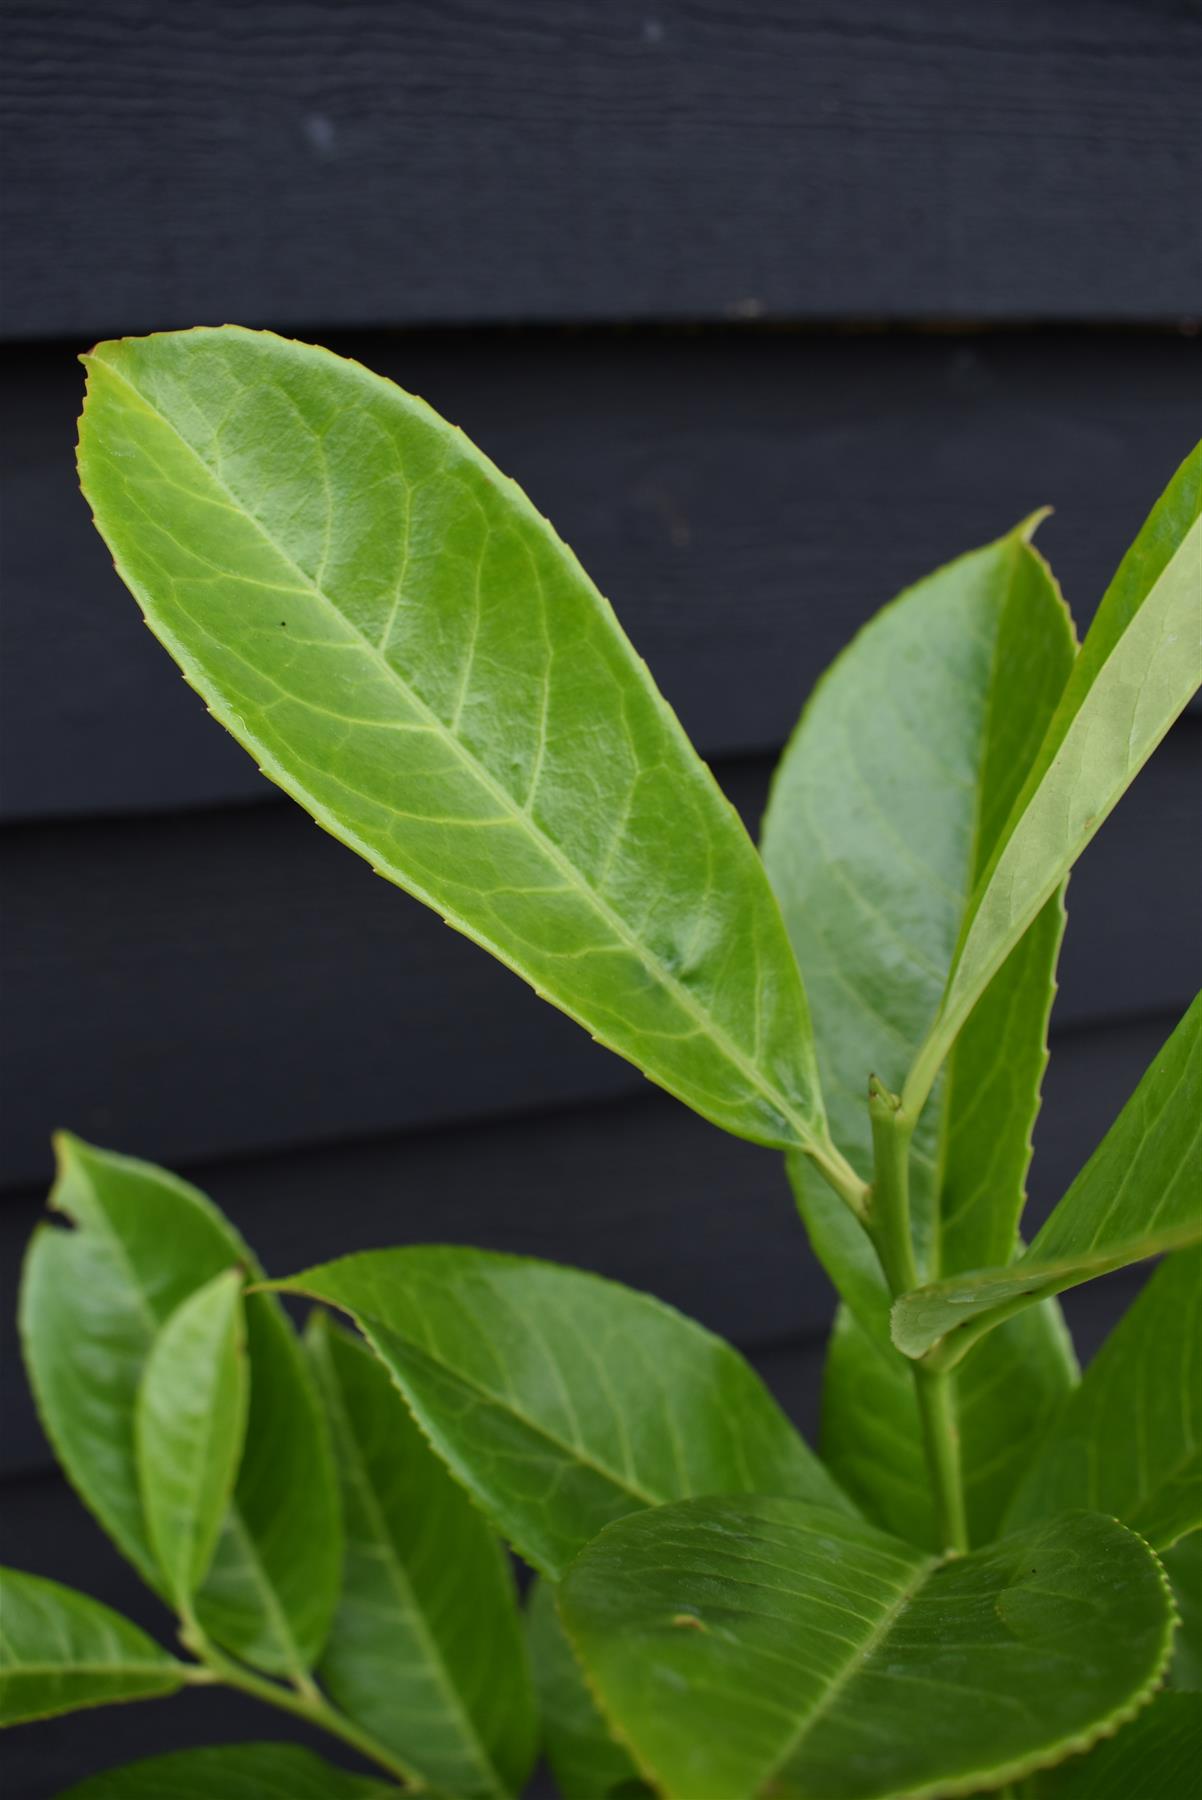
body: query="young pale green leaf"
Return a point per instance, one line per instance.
(885, 809)
(239, 1772)
(59, 1651)
(560, 1400)
(1183, 1565)
(1136, 1197)
(1156, 1757)
(849, 1666)
(1130, 1440)
(1138, 668)
(586, 1760)
(407, 648)
(93, 1301)
(426, 1649)
(190, 1426)
(1006, 1397)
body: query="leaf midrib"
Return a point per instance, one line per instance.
(555, 855)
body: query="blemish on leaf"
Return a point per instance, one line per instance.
(689, 1622)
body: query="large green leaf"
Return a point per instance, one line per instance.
(59, 1651)
(749, 1645)
(1136, 1197)
(1183, 1566)
(191, 1421)
(1156, 1757)
(93, 1300)
(406, 647)
(1007, 1396)
(1130, 1440)
(239, 1772)
(560, 1400)
(885, 808)
(426, 1648)
(1138, 667)
(586, 1760)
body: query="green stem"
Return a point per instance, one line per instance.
(889, 1227)
(304, 1702)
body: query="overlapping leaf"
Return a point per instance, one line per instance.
(1130, 1440)
(1183, 1565)
(59, 1651)
(407, 648)
(426, 1648)
(1156, 1757)
(93, 1301)
(560, 1400)
(1138, 668)
(241, 1772)
(1136, 1197)
(586, 1760)
(748, 1645)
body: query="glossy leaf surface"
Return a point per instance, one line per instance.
(406, 647)
(59, 1651)
(585, 1759)
(1136, 1197)
(93, 1301)
(845, 1665)
(560, 1400)
(191, 1420)
(1138, 668)
(1130, 1440)
(426, 1648)
(239, 1772)
(1008, 1393)
(1156, 1757)
(884, 810)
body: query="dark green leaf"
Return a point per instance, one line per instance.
(1130, 1440)
(1138, 667)
(191, 1420)
(60, 1651)
(586, 1761)
(1136, 1197)
(93, 1300)
(426, 1647)
(241, 1772)
(1007, 1395)
(1183, 1565)
(748, 1644)
(405, 646)
(1156, 1757)
(562, 1401)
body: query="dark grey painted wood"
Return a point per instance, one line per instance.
(746, 500)
(369, 161)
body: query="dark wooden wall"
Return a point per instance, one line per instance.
(771, 305)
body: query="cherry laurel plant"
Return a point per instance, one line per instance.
(973, 1589)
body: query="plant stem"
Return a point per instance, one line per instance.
(303, 1702)
(890, 1229)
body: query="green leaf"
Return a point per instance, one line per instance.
(190, 1425)
(1156, 1757)
(749, 1641)
(60, 1651)
(585, 1759)
(1007, 1395)
(1136, 1197)
(239, 1772)
(406, 647)
(1140, 664)
(1183, 1565)
(93, 1301)
(1130, 1440)
(561, 1400)
(426, 1648)
(885, 808)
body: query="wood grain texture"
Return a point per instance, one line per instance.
(374, 162)
(234, 981)
(746, 500)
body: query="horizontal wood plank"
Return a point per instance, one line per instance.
(746, 501)
(376, 162)
(224, 982)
